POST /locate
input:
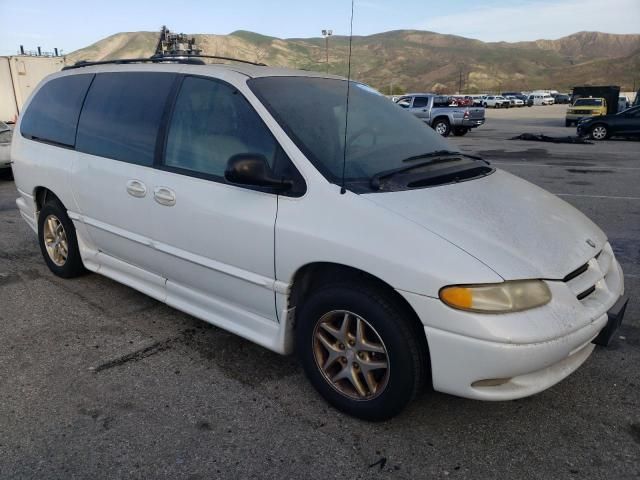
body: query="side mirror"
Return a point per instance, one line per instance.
(253, 169)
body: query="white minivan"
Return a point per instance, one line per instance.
(247, 197)
(541, 99)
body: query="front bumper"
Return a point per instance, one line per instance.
(514, 355)
(583, 128)
(466, 367)
(576, 117)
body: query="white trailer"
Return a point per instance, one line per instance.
(19, 76)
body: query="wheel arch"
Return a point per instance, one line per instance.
(313, 275)
(42, 195)
(441, 117)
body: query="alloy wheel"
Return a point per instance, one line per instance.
(441, 128)
(55, 240)
(351, 355)
(599, 132)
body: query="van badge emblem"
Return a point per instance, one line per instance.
(591, 243)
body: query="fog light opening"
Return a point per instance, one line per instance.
(490, 382)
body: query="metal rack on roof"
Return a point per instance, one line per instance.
(184, 59)
(171, 48)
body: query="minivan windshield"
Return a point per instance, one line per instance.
(381, 136)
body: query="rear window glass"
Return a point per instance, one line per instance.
(52, 115)
(122, 114)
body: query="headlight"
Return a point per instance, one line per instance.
(513, 296)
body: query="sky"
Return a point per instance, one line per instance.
(73, 24)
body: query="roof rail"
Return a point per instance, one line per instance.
(185, 59)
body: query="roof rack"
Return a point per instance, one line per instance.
(185, 59)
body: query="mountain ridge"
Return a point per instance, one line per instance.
(400, 60)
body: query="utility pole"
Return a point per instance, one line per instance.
(460, 83)
(326, 34)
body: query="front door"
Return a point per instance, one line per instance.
(420, 108)
(217, 239)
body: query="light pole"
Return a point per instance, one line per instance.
(326, 34)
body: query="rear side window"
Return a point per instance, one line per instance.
(439, 102)
(122, 114)
(52, 115)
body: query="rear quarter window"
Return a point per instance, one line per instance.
(122, 114)
(52, 115)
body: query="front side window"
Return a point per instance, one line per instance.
(52, 115)
(212, 122)
(420, 102)
(122, 114)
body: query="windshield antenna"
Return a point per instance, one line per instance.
(346, 116)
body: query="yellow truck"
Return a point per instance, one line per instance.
(585, 107)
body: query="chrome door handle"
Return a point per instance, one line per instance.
(136, 188)
(164, 196)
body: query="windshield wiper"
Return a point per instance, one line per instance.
(442, 153)
(374, 181)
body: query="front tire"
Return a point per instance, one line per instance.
(361, 350)
(599, 132)
(58, 241)
(442, 127)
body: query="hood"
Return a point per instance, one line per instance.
(514, 227)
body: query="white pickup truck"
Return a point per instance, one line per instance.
(436, 111)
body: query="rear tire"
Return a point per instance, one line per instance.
(442, 127)
(58, 241)
(387, 328)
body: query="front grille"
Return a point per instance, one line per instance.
(577, 272)
(586, 293)
(598, 278)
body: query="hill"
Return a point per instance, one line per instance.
(418, 60)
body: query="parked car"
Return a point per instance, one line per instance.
(514, 101)
(496, 101)
(380, 254)
(478, 100)
(623, 124)
(5, 147)
(585, 107)
(436, 111)
(562, 98)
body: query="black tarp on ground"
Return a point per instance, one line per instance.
(546, 138)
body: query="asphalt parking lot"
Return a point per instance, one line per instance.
(100, 381)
